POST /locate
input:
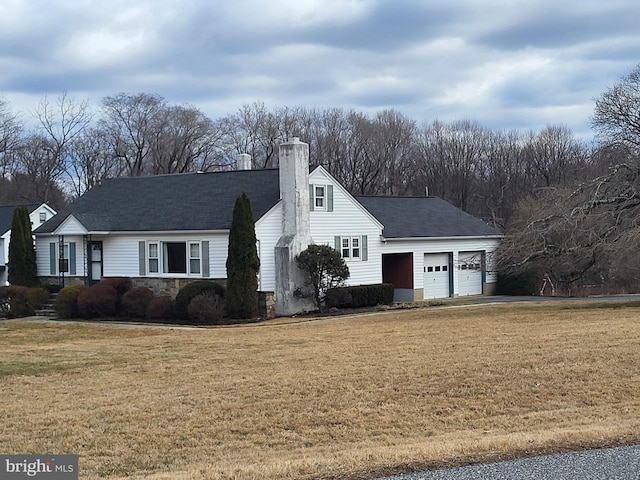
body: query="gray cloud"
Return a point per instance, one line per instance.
(505, 64)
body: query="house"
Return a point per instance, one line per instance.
(38, 214)
(164, 231)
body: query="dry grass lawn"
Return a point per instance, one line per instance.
(341, 397)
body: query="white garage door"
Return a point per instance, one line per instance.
(436, 275)
(470, 273)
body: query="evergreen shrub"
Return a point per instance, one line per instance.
(135, 302)
(98, 301)
(161, 308)
(207, 309)
(358, 296)
(66, 303)
(186, 294)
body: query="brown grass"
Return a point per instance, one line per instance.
(328, 398)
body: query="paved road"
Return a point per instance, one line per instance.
(621, 463)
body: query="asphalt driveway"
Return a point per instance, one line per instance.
(620, 463)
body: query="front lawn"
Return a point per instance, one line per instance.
(337, 397)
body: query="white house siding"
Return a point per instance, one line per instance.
(268, 231)
(43, 257)
(420, 247)
(348, 218)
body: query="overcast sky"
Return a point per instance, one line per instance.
(505, 63)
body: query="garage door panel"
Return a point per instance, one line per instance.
(470, 273)
(437, 274)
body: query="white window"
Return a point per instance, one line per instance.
(174, 257)
(194, 258)
(352, 247)
(319, 197)
(43, 217)
(154, 261)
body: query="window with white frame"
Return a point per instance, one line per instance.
(174, 257)
(154, 257)
(194, 258)
(319, 197)
(353, 247)
(43, 217)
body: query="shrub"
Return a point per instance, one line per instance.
(135, 302)
(242, 263)
(97, 301)
(18, 301)
(122, 285)
(5, 307)
(66, 303)
(207, 308)
(360, 296)
(161, 308)
(186, 294)
(325, 269)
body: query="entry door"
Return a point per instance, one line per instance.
(94, 256)
(437, 274)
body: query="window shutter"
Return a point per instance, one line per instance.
(311, 201)
(72, 258)
(365, 252)
(329, 198)
(52, 258)
(205, 258)
(142, 257)
(338, 244)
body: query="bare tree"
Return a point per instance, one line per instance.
(617, 113)
(131, 123)
(10, 134)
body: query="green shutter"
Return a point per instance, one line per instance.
(311, 202)
(204, 245)
(142, 257)
(329, 198)
(365, 251)
(72, 258)
(338, 244)
(52, 258)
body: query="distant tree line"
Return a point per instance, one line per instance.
(483, 171)
(569, 208)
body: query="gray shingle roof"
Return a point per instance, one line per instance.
(6, 215)
(411, 217)
(190, 201)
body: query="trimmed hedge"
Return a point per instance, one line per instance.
(360, 296)
(161, 308)
(207, 309)
(135, 302)
(97, 301)
(66, 303)
(17, 301)
(191, 290)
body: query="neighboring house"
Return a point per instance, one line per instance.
(166, 230)
(38, 214)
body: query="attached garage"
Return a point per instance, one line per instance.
(470, 273)
(437, 275)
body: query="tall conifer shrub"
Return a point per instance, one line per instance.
(22, 255)
(243, 263)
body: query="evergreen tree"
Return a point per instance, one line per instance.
(325, 268)
(242, 263)
(22, 255)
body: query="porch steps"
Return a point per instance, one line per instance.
(47, 309)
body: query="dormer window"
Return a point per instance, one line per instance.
(43, 217)
(319, 197)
